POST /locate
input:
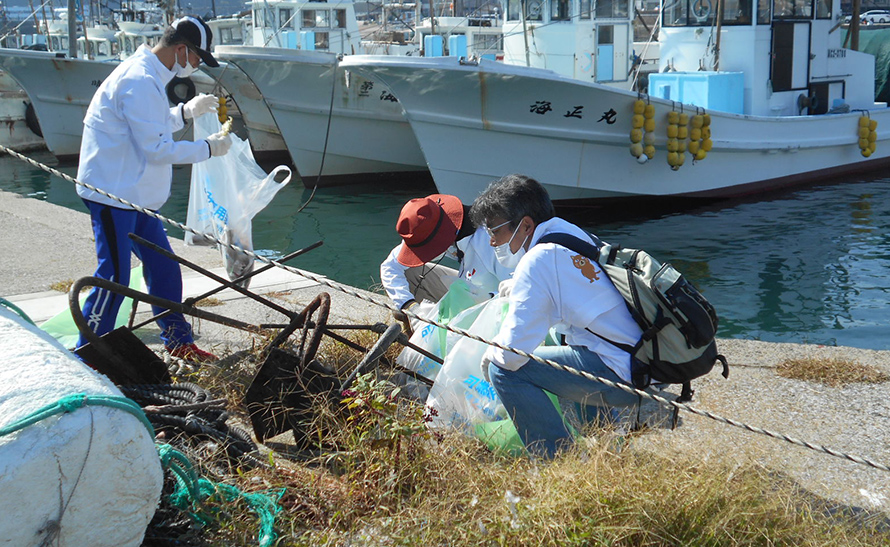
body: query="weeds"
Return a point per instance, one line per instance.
(831, 372)
(379, 476)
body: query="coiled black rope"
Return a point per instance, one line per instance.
(186, 413)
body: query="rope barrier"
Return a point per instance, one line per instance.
(352, 292)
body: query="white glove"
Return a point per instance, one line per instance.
(219, 143)
(200, 105)
(505, 287)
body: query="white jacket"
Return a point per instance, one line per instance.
(478, 265)
(551, 289)
(128, 148)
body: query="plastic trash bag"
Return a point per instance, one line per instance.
(461, 396)
(61, 326)
(226, 193)
(453, 310)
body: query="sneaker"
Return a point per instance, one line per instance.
(191, 352)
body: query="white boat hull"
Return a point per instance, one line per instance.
(478, 123)
(60, 91)
(358, 131)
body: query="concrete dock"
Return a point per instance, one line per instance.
(42, 244)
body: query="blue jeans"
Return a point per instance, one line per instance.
(537, 421)
(162, 275)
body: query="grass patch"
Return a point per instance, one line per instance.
(383, 478)
(61, 286)
(209, 302)
(830, 371)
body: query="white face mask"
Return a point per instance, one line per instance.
(183, 71)
(505, 256)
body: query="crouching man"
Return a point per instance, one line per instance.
(552, 287)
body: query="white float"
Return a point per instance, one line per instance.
(88, 477)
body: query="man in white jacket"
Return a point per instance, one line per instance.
(128, 151)
(552, 287)
(432, 228)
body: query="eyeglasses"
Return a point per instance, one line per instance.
(491, 231)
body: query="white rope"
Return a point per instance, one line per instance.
(352, 292)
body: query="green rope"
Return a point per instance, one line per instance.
(191, 492)
(70, 403)
(7, 304)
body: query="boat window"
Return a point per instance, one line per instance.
(763, 12)
(488, 43)
(269, 16)
(258, 18)
(793, 9)
(534, 10)
(823, 9)
(513, 10)
(225, 36)
(284, 18)
(321, 40)
(559, 10)
(316, 18)
(115, 49)
(737, 12)
(102, 49)
(585, 9)
(612, 9)
(339, 18)
(64, 42)
(689, 13)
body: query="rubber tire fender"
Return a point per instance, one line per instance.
(180, 90)
(31, 120)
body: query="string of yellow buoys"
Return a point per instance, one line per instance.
(642, 134)
(868, 135)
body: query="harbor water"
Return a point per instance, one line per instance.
(811, 265)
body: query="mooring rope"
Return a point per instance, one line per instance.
(352, 292)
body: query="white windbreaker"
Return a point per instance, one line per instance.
(479, 266)
(551, 289)
(128, 148)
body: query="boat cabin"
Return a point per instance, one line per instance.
(762, 57)
(321, 26)
(582, 39)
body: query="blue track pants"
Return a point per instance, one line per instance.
(162, 275)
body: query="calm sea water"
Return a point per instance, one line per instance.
(810, 265)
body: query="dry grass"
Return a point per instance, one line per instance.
(830, 371)
(209, 302)
(385, 479)
(61, 286)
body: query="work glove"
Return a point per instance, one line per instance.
(505, 287)
(219, 143)
(200, 105)
(403, 319)
(485, 364)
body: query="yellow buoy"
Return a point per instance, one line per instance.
(636, 135)
(222, 111)
(639, 106)
(673, 131)
(673, 117)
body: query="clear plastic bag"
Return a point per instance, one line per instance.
(226, 193)
(456, 309)
(461, 396)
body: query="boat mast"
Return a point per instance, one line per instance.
(854, 26)
(717, 41)
(72, 29)
(522, 5)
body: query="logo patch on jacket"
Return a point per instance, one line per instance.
(587, 268)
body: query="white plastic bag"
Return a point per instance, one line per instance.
(226, 193)
(461, 396)
(454, 309)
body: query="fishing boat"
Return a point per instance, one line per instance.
(335, 127)
(763, 97)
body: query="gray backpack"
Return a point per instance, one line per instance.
(678, 323)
